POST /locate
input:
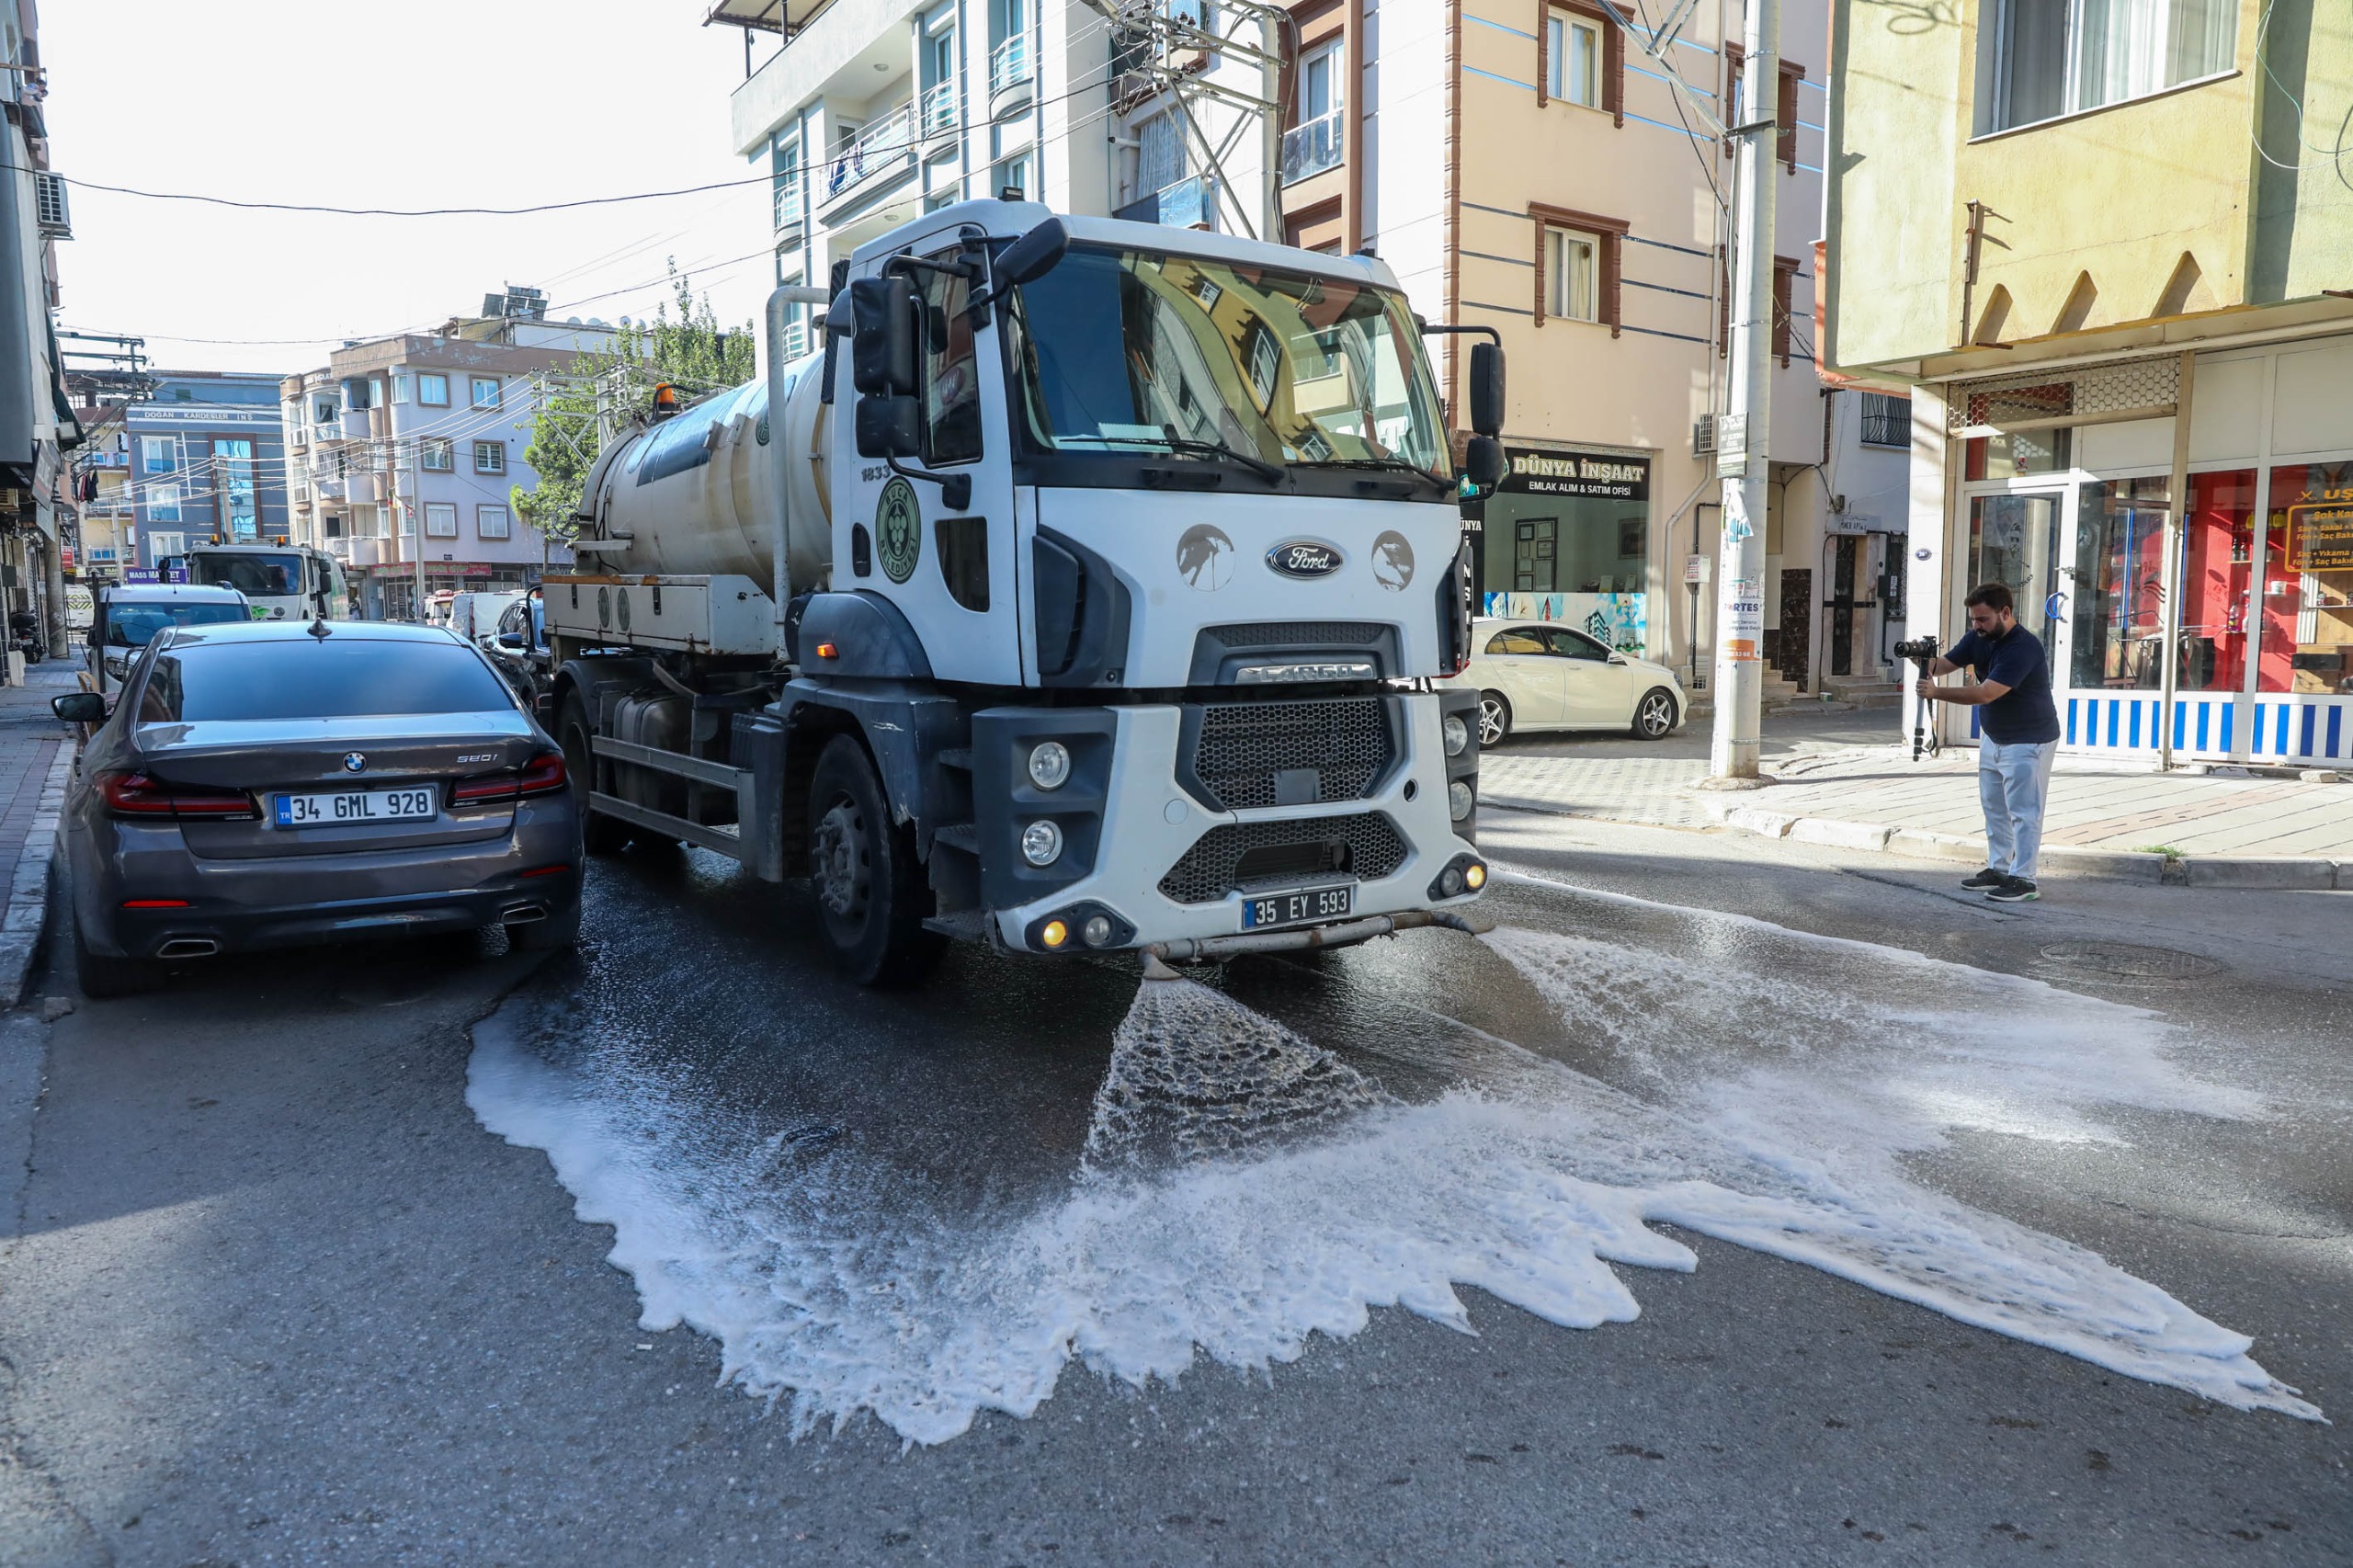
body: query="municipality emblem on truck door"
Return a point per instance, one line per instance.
(898, 530)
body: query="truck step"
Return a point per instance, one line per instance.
(956, 757)
(959, 835)
(965, 925)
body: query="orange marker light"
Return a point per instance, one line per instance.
(1474, 877)
(1055, 934)
(828, 651)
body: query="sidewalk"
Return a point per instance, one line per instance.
(36, 759)
(2103, 819)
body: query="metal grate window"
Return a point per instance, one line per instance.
(1243, 746)
(1367, 847)
(2091, 394)
(1887, 421)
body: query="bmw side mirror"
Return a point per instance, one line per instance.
(1487, 389)
(1482, 457)
(80, 707)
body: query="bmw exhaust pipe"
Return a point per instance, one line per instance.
(189, 948)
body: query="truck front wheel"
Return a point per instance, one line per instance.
(599, 835)
(871, 896)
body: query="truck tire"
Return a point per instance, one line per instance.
(599, 835)
(871, 890)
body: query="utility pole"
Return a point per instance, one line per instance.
(1745, 445)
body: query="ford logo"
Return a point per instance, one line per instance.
(1299, 558)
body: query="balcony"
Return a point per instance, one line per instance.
(791, 218)
(1191, 203)
(340, 548)
(884, 151)
(1311, 147)
(1012, 77)
(940, 112)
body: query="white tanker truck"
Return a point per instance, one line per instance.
(1083, 594)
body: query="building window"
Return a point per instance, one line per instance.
(161, 545)
(432, 391)
(1785, 116)
(486, 391)
(1578, 265)
(1785, 271)
(325, 412)
(441, 520)
(436, 454)
(2041, 59)
(490, 457)
(399, 386)
(1013, 174)
(1887, 421)
(491, 522)
(1160, 153)
(163, 503)
(155, 454)
(1573, 58)
(1315, 143)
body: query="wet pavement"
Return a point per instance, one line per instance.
(1734, 1203)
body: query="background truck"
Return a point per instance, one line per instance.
(1084, 593)
(278, 580)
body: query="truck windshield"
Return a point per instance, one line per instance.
(1125, 351)
(250, 573)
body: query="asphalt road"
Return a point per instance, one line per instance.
(276, 1295)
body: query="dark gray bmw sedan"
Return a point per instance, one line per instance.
(269, 784)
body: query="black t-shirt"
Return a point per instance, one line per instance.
(2024, 715)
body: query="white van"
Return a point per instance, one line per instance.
(280, 581)
(81, 607)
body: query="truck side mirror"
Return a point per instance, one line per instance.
(1034, 254)
(1482, 459)
(888, 427)
(882, 338)
(1487, 389)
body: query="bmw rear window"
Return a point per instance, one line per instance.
(304, 678)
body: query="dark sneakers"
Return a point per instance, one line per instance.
(1986, 881)
(2013, 890)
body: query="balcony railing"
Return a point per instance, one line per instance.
(787, 199)
(887, 144)
(940, 107)
(1310, 148)
(1009, 67)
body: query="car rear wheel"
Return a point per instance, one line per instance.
(599, 835)
(560, 929)
(871, 896)
(1495, 717)
(103, 975)
(1654, 714)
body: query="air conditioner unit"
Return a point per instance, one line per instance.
(1703, 435)
(49, 201)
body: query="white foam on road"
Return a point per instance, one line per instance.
(1242, 1189)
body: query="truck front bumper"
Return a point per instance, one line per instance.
(1147, 863)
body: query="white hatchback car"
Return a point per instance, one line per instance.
(1545, 675)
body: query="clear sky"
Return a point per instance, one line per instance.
(409, 104)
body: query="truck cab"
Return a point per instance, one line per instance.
(280, 581)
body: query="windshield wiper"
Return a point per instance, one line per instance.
(1397, 465)
(1271, 472)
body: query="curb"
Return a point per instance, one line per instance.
(2296, 871)
(28, 912)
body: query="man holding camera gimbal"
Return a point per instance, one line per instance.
(2017, 736)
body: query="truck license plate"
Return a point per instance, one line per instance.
(357, 805)
(1303, 906)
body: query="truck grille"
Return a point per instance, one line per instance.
(1243, 746)
(1269, 854)
(1298, 633)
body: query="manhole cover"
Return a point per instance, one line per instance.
(2121, 963)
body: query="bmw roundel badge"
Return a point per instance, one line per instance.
(1303, 558)
(354, 762)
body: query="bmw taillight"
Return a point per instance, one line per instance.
(144, 795)
(543, 775)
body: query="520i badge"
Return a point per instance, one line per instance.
(1303, 558)
(898, 530)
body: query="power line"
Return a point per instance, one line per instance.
(416, 211)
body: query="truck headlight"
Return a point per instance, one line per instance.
(1048, 768)
(1041, 843)
(1456, 732)
(1459, 800)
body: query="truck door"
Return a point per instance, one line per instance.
(950, 570)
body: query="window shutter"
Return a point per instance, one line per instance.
(1784, 269)
(1735, 62)
(1785, 116)
(1544, 94)
(1610, 245)
(1543, 267)
(1613, 87)
(1723, 296)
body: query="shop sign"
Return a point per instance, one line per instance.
(2322, 537)
(1604, 477)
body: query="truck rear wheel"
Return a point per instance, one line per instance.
(871, 896)
(599, 835)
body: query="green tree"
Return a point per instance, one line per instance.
(683, 345)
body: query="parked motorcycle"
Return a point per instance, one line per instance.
(26, 637)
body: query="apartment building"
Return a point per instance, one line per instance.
(1521, 166)
(403, 452)
(202, 459)
(2109, 252)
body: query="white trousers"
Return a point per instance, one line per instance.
(2012, 782)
